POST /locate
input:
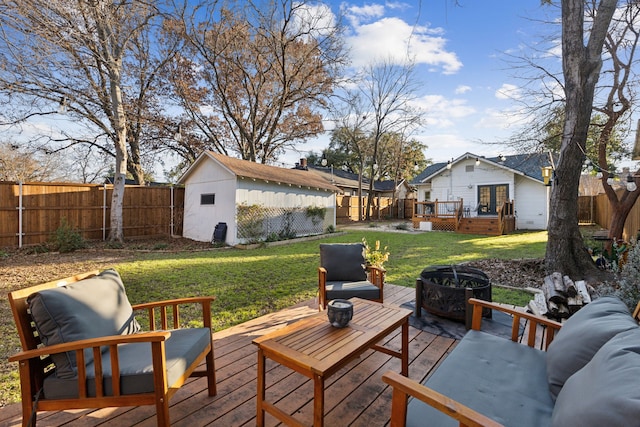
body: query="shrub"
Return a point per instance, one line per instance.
(628, 286)
(66, 238)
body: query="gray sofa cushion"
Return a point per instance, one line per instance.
(604, 391)
(343, 261)
(90, 308)
(503, 380)
(136, 368)
(345, 290)
(582, 335)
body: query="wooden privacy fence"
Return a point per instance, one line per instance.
(382, 208)
(597, 210)
(31, 212)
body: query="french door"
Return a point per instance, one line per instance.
(491, 197)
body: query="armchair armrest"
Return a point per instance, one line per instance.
(550, 326)
(81, 345)
(404, 387)
(162, 306)
(376, 275)
(30, 358)
(322, 290)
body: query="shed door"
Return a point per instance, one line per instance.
(490, 197)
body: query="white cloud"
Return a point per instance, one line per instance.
(462, 89)
(441, 112)
(356, 13)
(508, 91)
(318, 20)
(501, 119)
(392, 38)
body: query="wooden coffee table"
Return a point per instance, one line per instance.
(317, 350)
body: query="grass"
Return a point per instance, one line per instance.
(250, 283)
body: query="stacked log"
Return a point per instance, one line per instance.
(560, 297)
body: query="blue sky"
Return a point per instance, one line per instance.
(461, 51)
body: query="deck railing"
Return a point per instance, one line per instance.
(433, 211)
(448, 215)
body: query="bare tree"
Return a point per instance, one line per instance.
(73, 55)
(21, 165)
(581, 69)
(619, 96)
(350, 137)
(388, 90)
(258, 73)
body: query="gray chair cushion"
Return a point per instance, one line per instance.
(343, 261)
(136, 367)
(345, 290)
(604, 392)
(90, 308)
(581, 337)
(497, 377)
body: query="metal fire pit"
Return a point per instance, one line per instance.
(441, 289)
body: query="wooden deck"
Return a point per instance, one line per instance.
(354, 396)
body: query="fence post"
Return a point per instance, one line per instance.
(20, 209)
(171, 225)
(104, 212)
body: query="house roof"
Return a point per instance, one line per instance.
(529, 165)
(253, 170)
(346, 179)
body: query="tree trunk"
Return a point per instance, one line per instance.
(581, 68)
(116, 233)
(620, 212)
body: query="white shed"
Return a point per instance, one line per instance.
(256, 202)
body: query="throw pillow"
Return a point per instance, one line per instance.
(581, 337)
(603, 392)
(90, 308)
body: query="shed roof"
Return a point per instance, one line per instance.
(253, 170)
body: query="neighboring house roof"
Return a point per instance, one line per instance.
(529, 165)
(253, 170)
(349, 180)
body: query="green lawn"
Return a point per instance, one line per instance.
(249, 283)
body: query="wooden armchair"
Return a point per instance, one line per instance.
(71, 367)
(343, 274)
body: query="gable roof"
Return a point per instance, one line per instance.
(346, 179)
(529, 165)
(253, 170)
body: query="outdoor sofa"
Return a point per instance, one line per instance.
(586, 377)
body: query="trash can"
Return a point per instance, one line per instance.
(220, 232)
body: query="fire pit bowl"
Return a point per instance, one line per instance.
(441, 289)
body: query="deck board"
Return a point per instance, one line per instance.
(355, 395)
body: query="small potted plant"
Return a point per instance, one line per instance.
(376, 256)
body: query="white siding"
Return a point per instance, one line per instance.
(200, 220)
(531, 204)
(460, 183)
(530, 196)
(266, 194)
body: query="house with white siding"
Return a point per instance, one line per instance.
(254, 202)
(483, 185)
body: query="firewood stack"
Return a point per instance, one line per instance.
(560, 297)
